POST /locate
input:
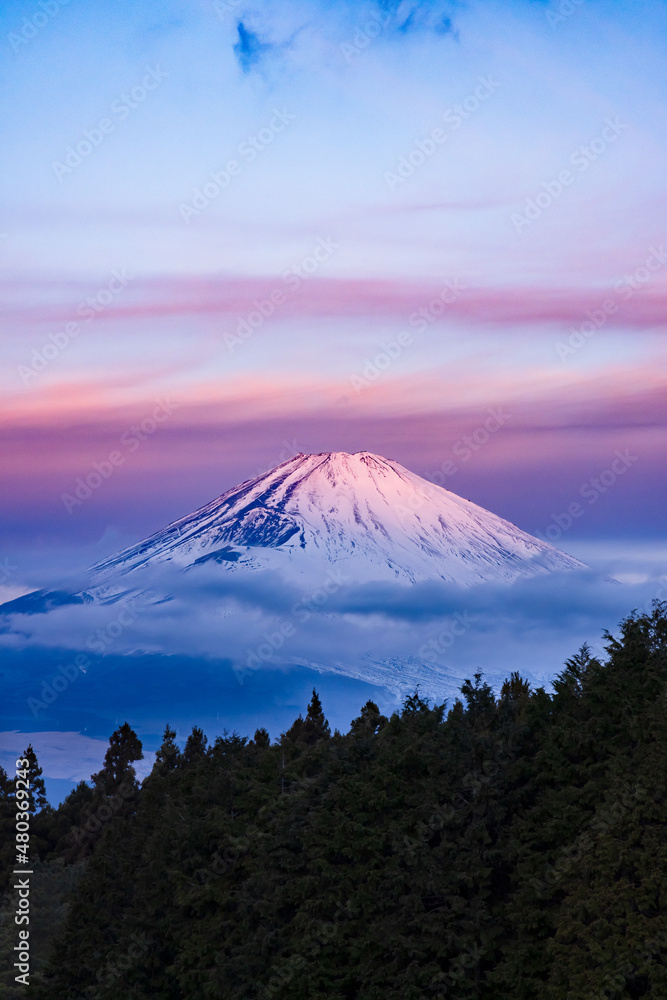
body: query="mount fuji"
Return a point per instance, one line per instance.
(365, 515)
(346, 564)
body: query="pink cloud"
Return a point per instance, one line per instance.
(643, 308)
(66, 430)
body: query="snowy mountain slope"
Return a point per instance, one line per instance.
(268, 575)
(366, 515)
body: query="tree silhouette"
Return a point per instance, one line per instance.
(124, 748)
(195, 746)
(167, 756)
(37, 791)
(313, 728)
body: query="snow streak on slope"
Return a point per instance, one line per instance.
(366, 515)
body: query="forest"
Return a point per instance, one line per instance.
(509, 846)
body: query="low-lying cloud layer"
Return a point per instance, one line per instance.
(432, 634)
(238, 650)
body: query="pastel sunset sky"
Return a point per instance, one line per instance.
(236, 231)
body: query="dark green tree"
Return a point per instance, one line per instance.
(7, 827)
(37, 790)
(369, 722)
(313, 728)
(167, 757)
(195, 746)
(124, 748)
(511, 848)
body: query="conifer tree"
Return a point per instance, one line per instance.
(7, 821)
(515, 690)
(5, 784)
(369, 722)
(124, 748)
(512, 849)
(37, 790)
(168, 755)
(313, 728)
(195, 746)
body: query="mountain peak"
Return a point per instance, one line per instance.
(366, 515)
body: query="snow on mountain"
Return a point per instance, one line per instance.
(268, 574)
(365, 515)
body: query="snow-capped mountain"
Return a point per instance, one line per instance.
(294, 568)
(367, 516)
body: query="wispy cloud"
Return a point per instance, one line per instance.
(265, 33)
(345, 296)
